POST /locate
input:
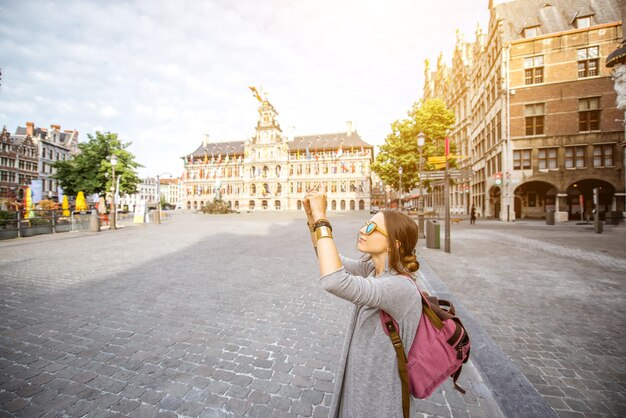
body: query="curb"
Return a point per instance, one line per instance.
(515, 395)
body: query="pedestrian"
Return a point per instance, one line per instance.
(473, 216)
(367, 379)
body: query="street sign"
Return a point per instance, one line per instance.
(440, 174)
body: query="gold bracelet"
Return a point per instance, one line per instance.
(323, 232)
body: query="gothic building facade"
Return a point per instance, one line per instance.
(272, 171)
(535, 110)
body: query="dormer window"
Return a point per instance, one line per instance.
(583, 22)
(531, 31)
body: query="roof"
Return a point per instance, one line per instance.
(553, 15)
(327, 141)
(323, 141)
(64, 137)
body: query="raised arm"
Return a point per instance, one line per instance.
(327, 254)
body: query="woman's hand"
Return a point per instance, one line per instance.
(315, 200)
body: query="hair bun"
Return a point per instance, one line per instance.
(410, 263)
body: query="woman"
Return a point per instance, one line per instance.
(367, 381)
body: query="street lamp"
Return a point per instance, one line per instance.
(158, 181)
(400, 194)
(113, 160)
(421, 138)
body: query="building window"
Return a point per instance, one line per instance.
(534, 114)
(583, 22)
(533, 70)
(603, 155)
(531, 31)
(521, 159)
(548, 159)
(589, 114)
(588, 59)
(575, 157)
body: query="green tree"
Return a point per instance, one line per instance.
(431, 117)
(90, 170)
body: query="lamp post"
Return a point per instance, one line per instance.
(421, 138)
(400, 193)
(113, 160)
(158, 181)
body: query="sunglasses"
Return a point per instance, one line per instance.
(370, 227)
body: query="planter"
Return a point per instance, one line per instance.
(8, 233)
(36, 230)
(63, 227)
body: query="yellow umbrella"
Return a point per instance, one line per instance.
(81, 203)
(28, 204)
(65, 206)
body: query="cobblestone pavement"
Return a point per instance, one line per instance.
(553, 298)
(212, 316)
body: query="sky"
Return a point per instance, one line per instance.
(161, 74)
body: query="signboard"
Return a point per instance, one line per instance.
(440, 174)
(140, 211)
(37, 189)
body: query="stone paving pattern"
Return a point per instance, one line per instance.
(554, 300)
(212, 316)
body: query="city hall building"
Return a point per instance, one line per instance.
(271, 171)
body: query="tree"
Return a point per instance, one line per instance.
(431, 117)
(90, 171)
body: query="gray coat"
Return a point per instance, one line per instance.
(367, 382)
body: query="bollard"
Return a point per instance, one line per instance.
(94, 222)
(432, 235)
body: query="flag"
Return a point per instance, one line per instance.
(227, 158)
(308, 153)
(343, 167)
(206, 158)
(298, 155)
(447, 146)
(339, 151)
(219, 158)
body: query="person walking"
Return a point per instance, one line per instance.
(473, 216)
(367, 381)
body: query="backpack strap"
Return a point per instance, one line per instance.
(394, 336)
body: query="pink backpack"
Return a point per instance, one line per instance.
(440, 348)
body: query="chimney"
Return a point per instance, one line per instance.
(349, 128)
(55, 127)
(30, 128)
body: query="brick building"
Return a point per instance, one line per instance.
(18, 165)
(536, 109)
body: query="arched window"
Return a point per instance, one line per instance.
(188, 204)
(264, 204)
(236, 205)
(253, 188)
(277, 204)
(299, 205)
(251, 204)
(195, 204)
(334, 205)
(279, 189)
(361, 205)
(277, 171)
(266, 171)
(343, 205)
(352, 205)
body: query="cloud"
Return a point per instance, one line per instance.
(163, 73)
